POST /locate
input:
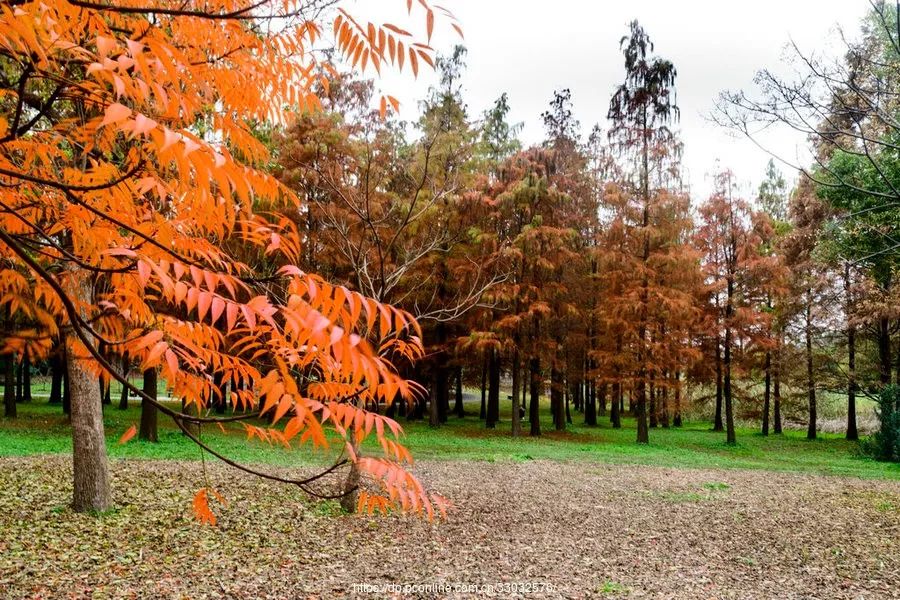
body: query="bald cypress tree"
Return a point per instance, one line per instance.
(641, 110)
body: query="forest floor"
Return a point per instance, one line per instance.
(559, 529)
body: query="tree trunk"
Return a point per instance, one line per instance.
(219, 393)
(18, 369)
(810, 382)
(776, 396)
(493, 400)
(730, 437)
(57, 366)
(148, 430)
(90, 469)
(601, 397)
(484, 369)
(525, 384)
(590, 406)
(643, 433)
(516, 382)
(717, 422)
(458, 408)
(91, 491)
(884, 351)
(652, 408)
(534, 407)
(852, 433)
(9, 387)
(664, 403)
(615, 415)
(676, 413)
(767, 393)
(556, 398)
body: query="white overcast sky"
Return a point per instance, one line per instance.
(528, 49)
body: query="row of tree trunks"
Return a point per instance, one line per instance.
(17, 384)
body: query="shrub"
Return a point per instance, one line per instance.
(885, 444)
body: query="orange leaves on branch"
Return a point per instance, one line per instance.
(377, 44)
(202, 511)
(157, 183)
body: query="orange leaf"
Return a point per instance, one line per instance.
(129, 433)
(201, 507)
(115, 112)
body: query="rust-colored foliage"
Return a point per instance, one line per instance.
(130, 168)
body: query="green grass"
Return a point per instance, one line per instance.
(41, 428)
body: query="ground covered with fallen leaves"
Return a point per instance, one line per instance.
(555, 529)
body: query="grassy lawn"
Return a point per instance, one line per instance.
(41, 428)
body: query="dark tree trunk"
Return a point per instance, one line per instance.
(126, 367)
(590, 407)
(884, 351)
(664, 403)
(601, 399)
(557, 401)
(767, 393)
(516, 382)
(148, 430)
(219, 393)
(57, 365)
(640, 405)
(615, 407)
(534, 406)
(730, 437)
(107, 391)
(852, 433)
(18, 368)
(776, 397)
(717, 422)
(676, 413)
(575, 391)
(9, 387)
(525, 384)
(568, 412)
(652, 408)
(810, 381)
(493, 400)
(458, 407)
(484, 370)
(390, 410)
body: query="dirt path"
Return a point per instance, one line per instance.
(562, 530)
